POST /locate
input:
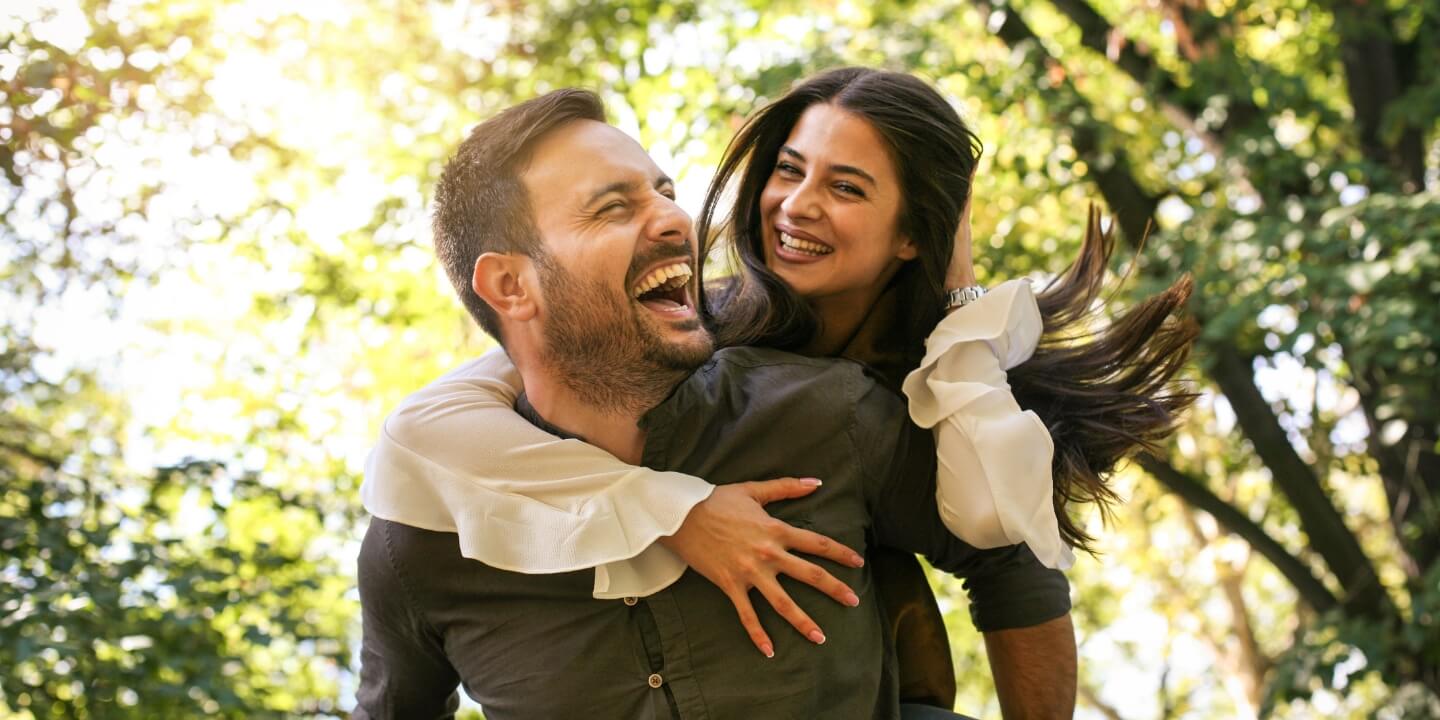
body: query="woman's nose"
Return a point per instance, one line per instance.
(802, 202)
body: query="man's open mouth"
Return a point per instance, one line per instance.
(665, 289)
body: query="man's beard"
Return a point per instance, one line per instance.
(602, 347)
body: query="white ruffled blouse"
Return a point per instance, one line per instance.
(456, 457)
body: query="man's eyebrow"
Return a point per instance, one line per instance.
(625, 187)
(842, 169)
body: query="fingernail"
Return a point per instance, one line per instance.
(817, 637)
(857, 561)
(852, 601)
(811, 482)
(769, 651)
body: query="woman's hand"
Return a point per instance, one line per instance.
(734, 543)
(961, 271)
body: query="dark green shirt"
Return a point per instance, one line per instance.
(539, 646)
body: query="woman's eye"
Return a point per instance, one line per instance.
(612, 207)
(785, 168)
(849, 189)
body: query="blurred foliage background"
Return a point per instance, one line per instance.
(215, 279)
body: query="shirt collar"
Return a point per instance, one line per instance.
(528, 411)
(659, 418)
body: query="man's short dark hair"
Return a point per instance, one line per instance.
(480, 202)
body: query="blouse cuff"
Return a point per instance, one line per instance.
(994, 483)
(614, 531)
(1005, 322)
(1007, 319)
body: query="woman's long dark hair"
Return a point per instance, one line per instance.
(1103, 393)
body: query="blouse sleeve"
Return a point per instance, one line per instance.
(993, 483)
(456, 457)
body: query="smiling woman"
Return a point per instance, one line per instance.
(875, 167)
(831, 212)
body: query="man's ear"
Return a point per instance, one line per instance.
(506, 282)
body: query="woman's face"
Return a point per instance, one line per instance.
(831, 208)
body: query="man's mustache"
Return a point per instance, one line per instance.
(640, 263)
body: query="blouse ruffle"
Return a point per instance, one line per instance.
(993, 478)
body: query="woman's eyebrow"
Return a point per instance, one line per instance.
(842, 169)
(852, 170)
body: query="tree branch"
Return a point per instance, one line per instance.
(1245, 661)
(1197, 495)
(1324, 526)
(52, 463)
(1099, 35)
(1410, 473)
(1109, 164)
(1182, 106)
(1092, 699)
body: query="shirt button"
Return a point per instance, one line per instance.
(656, 681)
(632, 601)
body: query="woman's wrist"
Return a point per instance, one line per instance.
(955, 281)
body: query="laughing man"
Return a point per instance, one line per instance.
(635, 373)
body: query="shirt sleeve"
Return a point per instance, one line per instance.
(457, 457)
(1008, 587)
(403, 668)
(993, 470)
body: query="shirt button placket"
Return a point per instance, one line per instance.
(656, 681)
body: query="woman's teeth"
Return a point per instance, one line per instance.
(804, 246)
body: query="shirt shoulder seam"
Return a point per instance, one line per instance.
(410, 598)
(749, 360)
(852, 430)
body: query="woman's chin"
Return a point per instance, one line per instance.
(804, 281)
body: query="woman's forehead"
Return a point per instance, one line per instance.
(828, 135)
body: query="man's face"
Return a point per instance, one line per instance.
(620, 304)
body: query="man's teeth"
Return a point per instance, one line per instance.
(661, 275)
(804, 246)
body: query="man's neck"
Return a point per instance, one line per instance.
(616, 431)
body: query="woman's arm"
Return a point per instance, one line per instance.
(456, 457)
(993, 476)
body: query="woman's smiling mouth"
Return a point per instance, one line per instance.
(793, 247)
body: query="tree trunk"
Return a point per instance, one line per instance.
(1373, 79)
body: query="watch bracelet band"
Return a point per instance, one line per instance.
(960, 297)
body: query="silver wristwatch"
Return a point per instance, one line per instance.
(960, 297)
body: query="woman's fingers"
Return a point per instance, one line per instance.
(768, 491)
(741, 599)
(816, 577)
(813, 543)
(731, 541)
(780, 600)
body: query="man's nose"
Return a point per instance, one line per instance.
(669, 223)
